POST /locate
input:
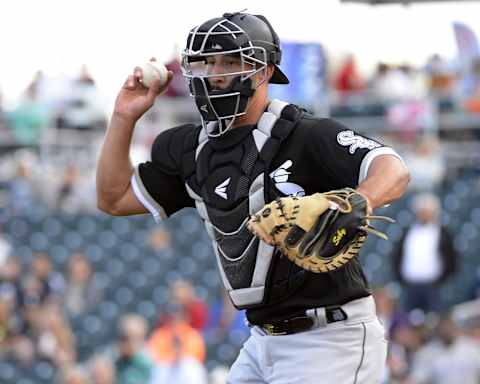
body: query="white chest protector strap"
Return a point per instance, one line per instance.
(254, 293)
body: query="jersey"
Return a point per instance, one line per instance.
(222, 177)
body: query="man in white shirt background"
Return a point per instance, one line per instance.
(425, 257)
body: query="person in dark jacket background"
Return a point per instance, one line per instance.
(425, 258)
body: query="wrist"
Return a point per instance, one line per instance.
(122, 120)
(368, 200)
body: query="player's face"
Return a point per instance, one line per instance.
(221, 69)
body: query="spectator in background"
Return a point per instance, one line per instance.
(224, 318)
(175, 334)
(450, 359)
(22, 196)
(159, 239)
(132, 365)
(181, 370)
(29, 119)
(84, 107)
(472, 92)
(73, 194)
(5, 249)
(348, 79)
(82, 290)
(178, 350)
(378, 80)
(54, 338)
(196, 311)
(441, 82)
(426, 164)
(441, 77)
(405, 341)
(73, 375)
(6, 316)
(395, 84)
(389, 311)
(53, 282)
(33, 291)
(10, 277)
(425, 257)
(66, 193)
(102, 370)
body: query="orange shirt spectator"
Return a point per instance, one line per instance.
(176, 338)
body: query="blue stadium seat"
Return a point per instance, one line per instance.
(59, 254)
(124, 296)
(44, 371)
(137, 280)
(51, 227)
(475, 216)
(147, 309)
(121, 226)
(108, 311)
(160, 295)
(8, 372)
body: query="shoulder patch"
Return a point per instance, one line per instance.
(349, 139)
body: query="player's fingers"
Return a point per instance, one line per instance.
(156, 88)
(169, 79)
(130, 83)
(138, 73)
(167, 83)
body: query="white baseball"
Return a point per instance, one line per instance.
(152, 70)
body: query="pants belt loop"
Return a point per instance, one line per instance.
(318, 315)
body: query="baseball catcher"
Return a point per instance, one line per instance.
(247, 151)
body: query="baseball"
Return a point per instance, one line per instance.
(152, 70)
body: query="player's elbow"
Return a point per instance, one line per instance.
(104, 207)
(107, 206)
(402, 180)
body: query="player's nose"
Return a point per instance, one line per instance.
(217, 79)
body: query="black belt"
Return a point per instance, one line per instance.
(303, 323)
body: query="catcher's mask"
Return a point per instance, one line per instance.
(234, 47)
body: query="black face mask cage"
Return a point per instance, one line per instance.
(219, 108)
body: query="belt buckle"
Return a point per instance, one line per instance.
(335, 313)
(270, 330)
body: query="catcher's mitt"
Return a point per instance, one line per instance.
(321, 232)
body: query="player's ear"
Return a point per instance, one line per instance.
(270, 70)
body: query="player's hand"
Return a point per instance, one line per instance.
(134, 99)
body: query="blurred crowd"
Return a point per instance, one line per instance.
(408, 96)
(38, 305)
(440, 78)
(431, 341)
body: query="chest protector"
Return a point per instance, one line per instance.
(228, 179)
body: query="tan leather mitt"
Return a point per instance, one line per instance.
(320, 232)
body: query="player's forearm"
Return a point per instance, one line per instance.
(386, 181)
(114, 168)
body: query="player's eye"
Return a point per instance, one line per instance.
(231, 62)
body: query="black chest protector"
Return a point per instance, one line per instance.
(228, 179)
